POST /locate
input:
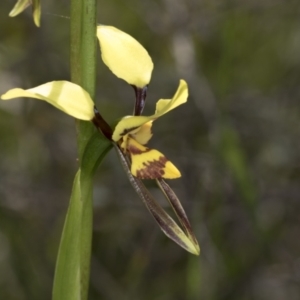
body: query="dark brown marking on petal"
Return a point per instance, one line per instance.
(127, 130)
(135, 151)
(153, 169)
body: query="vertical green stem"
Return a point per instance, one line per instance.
(75, 36)
(71, 279)
(83, 72)
(83, 57)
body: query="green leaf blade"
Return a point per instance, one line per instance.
(67, 272)
(73, 261)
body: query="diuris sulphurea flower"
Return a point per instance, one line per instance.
(128, 60)
(21, 5)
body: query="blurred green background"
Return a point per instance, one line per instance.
(236, 143)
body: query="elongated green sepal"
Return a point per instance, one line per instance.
(179, 211)
(165, 222)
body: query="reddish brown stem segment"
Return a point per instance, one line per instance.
(140, 100)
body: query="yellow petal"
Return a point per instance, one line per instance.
(125, 56)
(163, 106)
(36, 12)
(143, 134)
(64, 95)
(149, 163)
(21, 5)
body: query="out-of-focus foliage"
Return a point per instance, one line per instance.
(236, 143)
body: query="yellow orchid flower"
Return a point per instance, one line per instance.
(128, 60)
(21, 5)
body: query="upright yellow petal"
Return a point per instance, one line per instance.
(64, 95)
(131, 123)
(163, 106)
(125, 56)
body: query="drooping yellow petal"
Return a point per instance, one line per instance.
(125, 56)
(163, 106)
(149, 163)
(64, 95)
(21, 5)
(37, 12)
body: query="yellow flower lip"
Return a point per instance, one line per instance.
(64, 95)
(125, 56)
(149, 163)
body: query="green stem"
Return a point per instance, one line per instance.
(71, 279)
(75, 42)
(83, 58)
(83, 72)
